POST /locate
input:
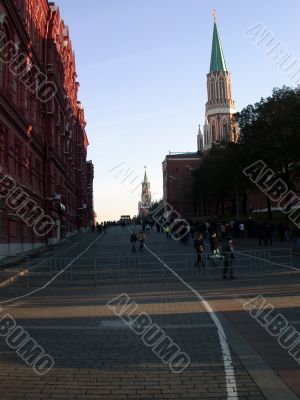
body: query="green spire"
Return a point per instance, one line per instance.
(145, 176)
(217, 61)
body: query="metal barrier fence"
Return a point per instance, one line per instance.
(7, 262)
(145, 267)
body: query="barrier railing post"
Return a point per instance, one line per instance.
(27, 276)
(28, 263)
(206, 265)
(95, 271)
(128, 266)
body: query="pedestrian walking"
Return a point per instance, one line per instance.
(214, 246)
(268, 234)
(223, 231)
(183, 233)
(141, 238)
(199, 248)
(242, 229)
(280, 231)
(260, 233)
(287, 232)
(133, 240)
(228, 254)
(296, 243)
(192, 231)
(167, 231)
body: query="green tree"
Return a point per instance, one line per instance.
(270, 131)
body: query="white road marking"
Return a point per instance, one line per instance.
(54, 256)
(231, 386)
(54, 277)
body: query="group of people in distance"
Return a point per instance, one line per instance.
(220, 235)
(134, 238)
(227, 253)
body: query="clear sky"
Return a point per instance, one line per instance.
(142, 68)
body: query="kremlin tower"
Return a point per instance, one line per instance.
(220, 108)
(145, 203)
(220, 125)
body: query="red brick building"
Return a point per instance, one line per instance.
(43, 142)
(177, 169)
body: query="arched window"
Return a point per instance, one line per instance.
(208, 91)
(213, 133)
(222, 88)
(228, 88)
(225, 129)
(213, 89)
(214, 130)
(219, 92)
(225, 89)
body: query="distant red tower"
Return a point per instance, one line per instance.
(145, 203)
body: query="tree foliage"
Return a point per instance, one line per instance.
(269, 131)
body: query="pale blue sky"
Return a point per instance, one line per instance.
(142, 68)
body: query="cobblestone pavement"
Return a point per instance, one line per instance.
(97, 356)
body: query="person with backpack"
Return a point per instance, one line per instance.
(133, 240)
(199, 248)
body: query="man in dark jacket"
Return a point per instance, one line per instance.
(296, 244)
(133, 240)
(214, 246)
(199, 248)
(228, 253)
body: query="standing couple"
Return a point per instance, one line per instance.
(141, 237)
(227, 253)
(199, 248)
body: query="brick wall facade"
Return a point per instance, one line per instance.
(43, 142)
